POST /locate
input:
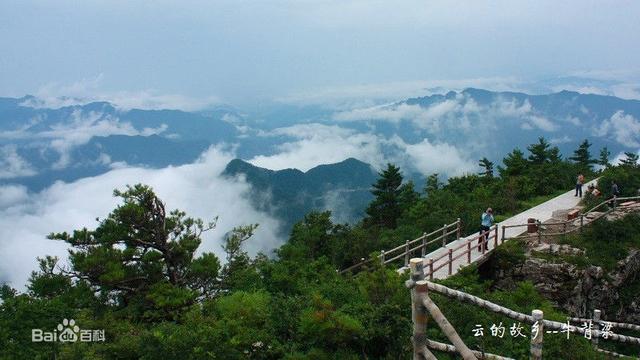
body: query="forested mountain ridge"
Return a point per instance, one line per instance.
(290, 194)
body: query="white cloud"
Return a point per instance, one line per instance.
(316, 144)
(441, 158)
(26, 219)
(87, 90)
(12, 194)
(574, 120)
(359, 96)
(617, 160)
(12, 164)
(428, 118)
(542, 123)
(623, 128)
(561, 140)
(77, 130)
(461, 113)
(392, 113)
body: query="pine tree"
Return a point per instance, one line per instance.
(554, 155)
(487, 166)
(582, 157)
(515, 164)
(144, 259)
(604, 157)
(408, 195)
(631, 159)
(432, 184)
(540, 152)
(385, 209)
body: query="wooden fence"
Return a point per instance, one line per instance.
(568, 226)
(412, 247)
(480, 241)
(422, 306)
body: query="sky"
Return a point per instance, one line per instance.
(192, 54)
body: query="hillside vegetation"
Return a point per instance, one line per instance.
(139, 276)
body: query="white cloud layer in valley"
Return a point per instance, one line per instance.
(461, 113)
(316, 144)
(63, 137)
(26, 218)
(12, 164)
(56, 95)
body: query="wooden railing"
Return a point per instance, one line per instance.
(412, 247)
(422, 306)
(480, 241)
(610, 205)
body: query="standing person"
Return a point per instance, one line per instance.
(579, 183)
(615, 192)
(487, 222)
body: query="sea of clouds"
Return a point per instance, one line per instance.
(26, 218)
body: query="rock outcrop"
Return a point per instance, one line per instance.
(579, 290)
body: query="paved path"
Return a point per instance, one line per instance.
(542, 212)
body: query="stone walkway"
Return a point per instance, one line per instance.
(542, 212)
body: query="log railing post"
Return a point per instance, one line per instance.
(539, 226)
(450, 261)
(495, 238)
(458, 229)
(424, 244)
(382, 256)
(536, 341)
(596, 327)
(430, 269)
(444, 235)
(503, 234)
(406, 253)
(418, 311)
(446, 327)
(485, 241)
(417, 269)
(468, 252)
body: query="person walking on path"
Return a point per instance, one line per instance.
(579, 183)
(487, 222)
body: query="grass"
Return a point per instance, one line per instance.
(537, 200)
(527, 204)
(605, 243)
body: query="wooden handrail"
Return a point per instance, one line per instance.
(614, 324)
(516, 225)
(422, 305)
(491, 234)
(582, 215)
(435, 345)
(438, 231)
(441, 289)
(390, 255)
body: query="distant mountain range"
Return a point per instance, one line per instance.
(444, 133)
(289, 194)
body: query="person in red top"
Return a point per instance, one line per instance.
(579, 183)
